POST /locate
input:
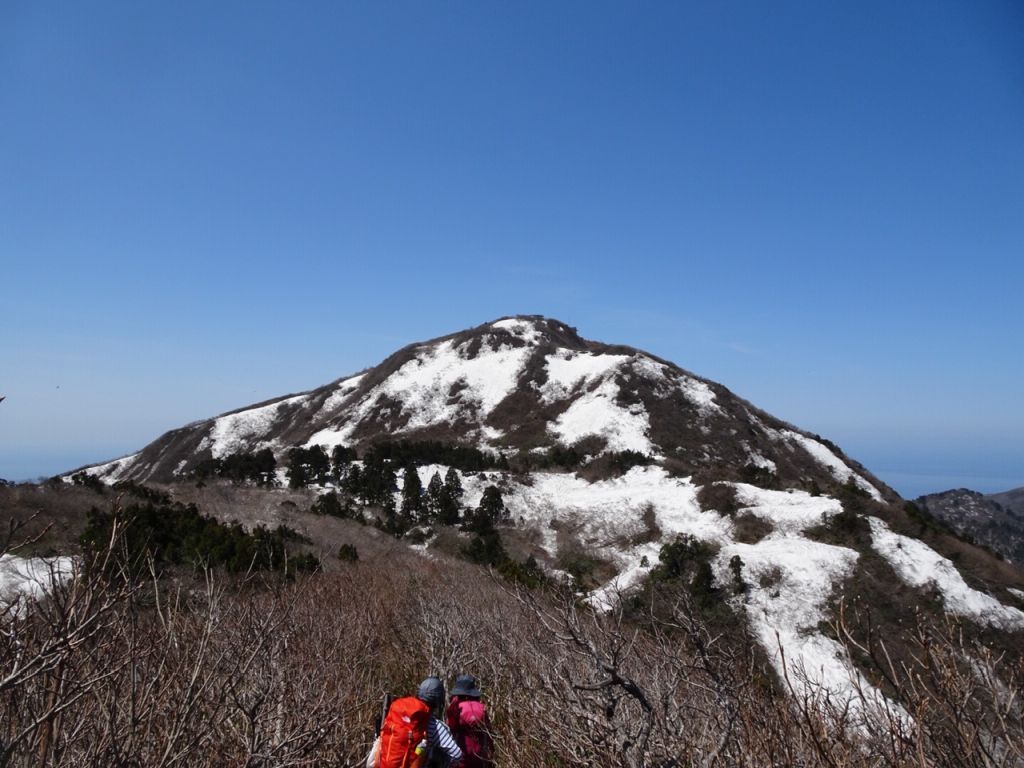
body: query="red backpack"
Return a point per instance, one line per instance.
(403, 730)
(471, 728)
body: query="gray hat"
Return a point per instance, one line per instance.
(466, 685)
(431, 692)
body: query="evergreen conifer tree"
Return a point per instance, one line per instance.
(298, 473)
(412, 494)
(319, 464)
(490, 512)
(453, 483)
(435, 498)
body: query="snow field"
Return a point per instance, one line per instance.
(32, 577)
(921, 566)
(598, 413)
(338, 397)
(110, 472)
(790, 582)
(567, 370)
(242, 431)
(800, 575)
(423, 386)
(790, 512)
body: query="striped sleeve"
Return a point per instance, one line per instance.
(439, 737)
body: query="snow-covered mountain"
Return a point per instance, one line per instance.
(800, 524)
(518, 384)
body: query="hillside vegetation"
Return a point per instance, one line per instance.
(272, 670)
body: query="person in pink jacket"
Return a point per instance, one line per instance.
(469, 723)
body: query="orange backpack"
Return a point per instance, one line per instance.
(403, 730)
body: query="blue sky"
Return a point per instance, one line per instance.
(205, 205)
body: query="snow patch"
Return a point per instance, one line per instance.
(567, 370)
(344, 390)
(598, 413)
(700, 394)
(438, 385)
(790, 512)
(921, 566)
(31, 578)
(761, 462)
(242, 431)
(1019, 594)
(112, 471)
(603, 515)
(833, 463)
(790, 581)
(491, 434)
(524, 329)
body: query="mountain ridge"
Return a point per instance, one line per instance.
(993, 520)
(666, 423)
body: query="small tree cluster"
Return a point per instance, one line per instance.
(178, 534)
(85, 480)
(257, 467)
(463, 457)
(332, 505)
(687, 560)
(308, 465)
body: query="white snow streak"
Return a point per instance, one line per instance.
(790, 512)
(598, 413)
(800, 577)
(699, 393)
(833, 463)
(342, 393)
(921, 566)
(110, 472)
(242, 431)
(568, 370)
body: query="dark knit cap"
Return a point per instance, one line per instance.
(431, 692)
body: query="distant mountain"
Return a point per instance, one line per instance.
(609, 464)
(519, 386)
(995, 520)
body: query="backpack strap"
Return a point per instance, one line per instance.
(379, 721)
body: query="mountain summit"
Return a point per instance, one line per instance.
(517, 385)
(616, 468)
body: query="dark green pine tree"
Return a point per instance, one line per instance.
(298, 472)
(434, 502)
(412, 494)
(453, 483)
(319, 464)
(341, 458)
(450, 500)
(353, 482)
(490, 512)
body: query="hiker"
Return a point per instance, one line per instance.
(467, 718)
(411, 736)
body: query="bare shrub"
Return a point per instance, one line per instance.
(718, 497)
(750, 529)
(275, 672)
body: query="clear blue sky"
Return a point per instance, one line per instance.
(207, 204)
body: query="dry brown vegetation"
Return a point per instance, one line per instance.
(287, 673)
